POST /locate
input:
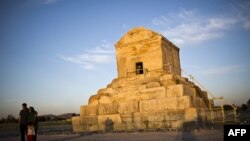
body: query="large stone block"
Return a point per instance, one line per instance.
(79, 125)
(179, 90)
(83, 110)
(110, 108)
(184, 102)
(175, 91)
(94, 100)
(88, 120)
(175, 115)
(167, 80)
(139, 125)
(165, 104)
(91, 110)
(126, 96)
(76, 123)
(191, 114)
(127, 118)
(128, 107)
(154, 116)
(153, 93)
(92, 127)
(152, 84)
(129, 126)
(131, 88)
(108, 90)
(167, 124)
(141, 87)
(116, 118)
(101, 127)
(176, 124)
(105, 98)
(167, 77)
(198, 102)
(80, 128)
(119, 126)
(157, 105)
(156, 125)
(136, 117)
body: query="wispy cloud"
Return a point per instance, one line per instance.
(222, 70)
(243, 14)
(47, 2)
(187, 26)
(89, 59)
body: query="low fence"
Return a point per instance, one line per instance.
(44, 128)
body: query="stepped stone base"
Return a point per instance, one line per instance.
(148, 92)
(167, 102)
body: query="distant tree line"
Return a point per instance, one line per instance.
(9, 119)
(47, 118)
(246, 106)
(242, 107)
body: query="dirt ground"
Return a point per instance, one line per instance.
(202, 135)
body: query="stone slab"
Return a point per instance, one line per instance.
(128, 107)
(116, 118)
(91, 110)
(111, 108)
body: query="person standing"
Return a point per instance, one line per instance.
(109, 125)
(33, 121)
(23, 121)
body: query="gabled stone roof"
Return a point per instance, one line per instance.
(137, 34)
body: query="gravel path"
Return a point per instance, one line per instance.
(202, 135)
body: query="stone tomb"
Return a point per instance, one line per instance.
(149, 92)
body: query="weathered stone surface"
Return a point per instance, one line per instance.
(198, 102)
(76, 120)
(153, 84)
(105, 98)
(91, 110)
(110, 108)
(89, 120)
(139, 125)
(120, 127)
(83, 110)
(191, 114)
(173, 115)
(93, 100)
(179, 90)
(92, 127)
(136, 117)
(176, 124)
(166, 103)
(156, 125)
(108, 90)
(153, 93)
(116, 118)
(184, 102)
(175, 91)
(127, 118)
(167, 77)
(154, 116)
(128, 107)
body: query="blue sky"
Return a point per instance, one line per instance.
(55, 54)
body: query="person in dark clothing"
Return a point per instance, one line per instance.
(109, 125)
(23, 121)
(33, 120)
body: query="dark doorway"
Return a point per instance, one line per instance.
(139, 68)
